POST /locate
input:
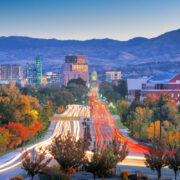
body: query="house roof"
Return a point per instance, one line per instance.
(162, 78)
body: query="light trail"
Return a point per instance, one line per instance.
(105, 117)
(62, 127)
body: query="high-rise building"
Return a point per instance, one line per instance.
(75, 67)
(10, 73)
(33, 71)
(38, 70)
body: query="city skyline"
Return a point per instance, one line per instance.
(82, 20)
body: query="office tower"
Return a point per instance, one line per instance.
(38, 70)
(75, 67)
(33, 71)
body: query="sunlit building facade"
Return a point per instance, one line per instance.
(75, 67)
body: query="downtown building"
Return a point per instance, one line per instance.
(74, 67)
(33, 72)
(166, 84)
(113, 76)
(11, 73)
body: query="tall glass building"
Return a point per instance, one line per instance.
(33, 71)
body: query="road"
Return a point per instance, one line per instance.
(105, 128)
(12, 161)
(102, 129)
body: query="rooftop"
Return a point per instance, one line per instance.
(162, 78)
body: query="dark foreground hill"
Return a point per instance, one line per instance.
(138, 56)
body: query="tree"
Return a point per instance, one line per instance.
(156, 158)
(34, 163)
(68, 152)
(173, 159)
(18, 134)
(4, 139)
(153, 130)
(122, 109)
(78, 81)
(106, 89)
(138, 122)
(150, 101)
(101, 162)
(164, 111)
(121, 88)
(63, 97)
(120, 150)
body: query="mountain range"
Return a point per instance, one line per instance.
(136, 57)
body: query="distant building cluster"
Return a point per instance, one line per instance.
(74, 67)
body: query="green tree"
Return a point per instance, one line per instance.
(120, 150)
(122, 110)
(68, 152)
(163, 111)
(102, 162)
(78, 81)
(121, 88)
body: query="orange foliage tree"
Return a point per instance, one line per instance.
(19, 115)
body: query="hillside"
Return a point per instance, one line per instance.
(135, 56)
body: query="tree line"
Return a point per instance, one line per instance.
(21, 117)
(155, 118)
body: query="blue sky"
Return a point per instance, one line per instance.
(86, 19)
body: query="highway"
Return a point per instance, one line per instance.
(10, 163)
(105, 128)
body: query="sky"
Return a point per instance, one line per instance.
(87, 19)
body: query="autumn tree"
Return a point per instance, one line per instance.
(34, 163)
(153, 130)
(119, 149)
(138, 122)
(68, 152)
(4, 139)
(102, 162)
(18, 134)
(156, 158)
(173, 159)
(150, 101)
